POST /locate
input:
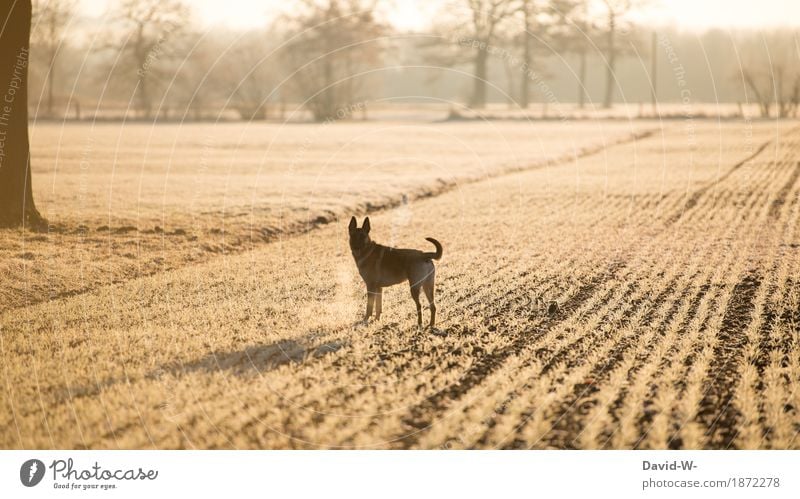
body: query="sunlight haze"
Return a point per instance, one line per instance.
(414, 14)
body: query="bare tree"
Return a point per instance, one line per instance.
(615, 14)
(194, 87)
(771, 72)
(480, 28)
(50, 21)
(528, 15)
(327, 46)
(545, 24)
(485, 17)
(16, 195)
(574, 34)
(249, 75)
(142, 31)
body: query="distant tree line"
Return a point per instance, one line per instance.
(329, 57)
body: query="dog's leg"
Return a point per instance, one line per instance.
(370, 302)
(415, 296)
(378, 303)
(429, 285)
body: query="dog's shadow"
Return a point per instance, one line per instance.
(258, 359)
(436, 331)
(361, 324)
(254, 359)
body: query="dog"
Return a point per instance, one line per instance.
(381, 266)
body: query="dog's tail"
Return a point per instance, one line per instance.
(438, 245)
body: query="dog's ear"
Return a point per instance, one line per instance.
(366, 225)
(353, 224)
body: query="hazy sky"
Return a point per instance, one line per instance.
(414, 14)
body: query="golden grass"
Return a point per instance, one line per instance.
(128, 200)
(674, 269)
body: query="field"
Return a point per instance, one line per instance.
(132, 200)
(197, 290)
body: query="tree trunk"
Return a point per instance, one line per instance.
(510, 87)
(611, 56)
(582, 82)
(16, 196)
(325, 103)
(479, 95)
(524, 96)
(144, 98)
(779, 100)
(525, 84)
(654, 71)
(51, 76)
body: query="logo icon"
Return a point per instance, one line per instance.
(31, 472)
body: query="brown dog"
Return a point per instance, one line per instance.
(382, 266)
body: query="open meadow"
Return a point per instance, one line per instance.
(196, 289)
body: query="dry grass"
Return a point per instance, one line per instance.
(133, 200)
(674, 268)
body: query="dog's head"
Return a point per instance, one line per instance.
(359, 237)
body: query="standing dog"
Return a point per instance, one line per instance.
(382, 266)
